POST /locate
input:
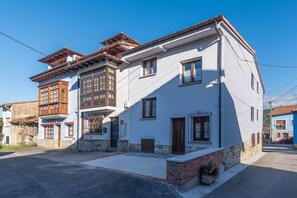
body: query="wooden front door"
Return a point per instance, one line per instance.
(178, 135)
(59, 134)
(114, 132)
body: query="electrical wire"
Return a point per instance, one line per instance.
(23, 44)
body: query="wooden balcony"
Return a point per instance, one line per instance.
(53, 99)
(98, 88)
(53, 109)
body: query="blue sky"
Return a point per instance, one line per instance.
(269, 27)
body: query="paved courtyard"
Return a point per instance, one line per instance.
(39, 173)
(141, 164)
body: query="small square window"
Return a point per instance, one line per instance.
(149, 108)
(149, 67)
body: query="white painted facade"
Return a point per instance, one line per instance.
(175, 100)
(72, 79)
(6, 128)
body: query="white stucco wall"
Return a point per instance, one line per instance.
(173, 100)
(238, 96)
(6, 129)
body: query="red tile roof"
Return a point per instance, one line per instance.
(283, 110)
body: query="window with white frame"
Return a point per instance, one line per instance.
(258, 87)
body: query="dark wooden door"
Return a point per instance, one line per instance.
(59, 135)
(178, 135)
(114, 132)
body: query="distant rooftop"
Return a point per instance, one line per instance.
(283, 110)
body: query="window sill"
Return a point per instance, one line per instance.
(146, 76)
(146, 119)
(69, 137)
(191, 83)
(200, 142)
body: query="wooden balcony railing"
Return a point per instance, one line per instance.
(53, 109)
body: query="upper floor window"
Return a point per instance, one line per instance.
(257, 114)
(280, 124)
(252, 80)
(7, 122)
(53, 98)
(192, 72)
(149, 108)
(258, 87)
(252, 113)
(98, 88)
(149, 67)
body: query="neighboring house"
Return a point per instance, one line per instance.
(294, 111)
(183, 92)
(282, 122)
(20, 122)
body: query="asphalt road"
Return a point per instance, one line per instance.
(273, 176)
(50, 175)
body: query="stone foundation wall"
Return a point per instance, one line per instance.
(241, 152)
(193, 149)
(50, 143)
(183, 170)
(275, 136)
(185, 174)
(93, 145)
(123, 146)
(159, 149)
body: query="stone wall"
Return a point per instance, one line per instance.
(185, 173)
(241, 152)
(51, 143)
(183, 170)
(123, 146)
(158, 149)
(24, 109)
(93, 145)
(24, 134)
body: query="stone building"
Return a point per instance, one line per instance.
(20, 123)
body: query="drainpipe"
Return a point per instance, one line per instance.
(77, 100)
(220, 86)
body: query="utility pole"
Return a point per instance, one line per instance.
(270, 122)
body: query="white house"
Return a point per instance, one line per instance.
(196, 88)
